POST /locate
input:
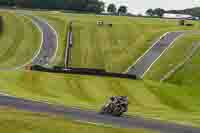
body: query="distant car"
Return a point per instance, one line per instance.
(100, 22)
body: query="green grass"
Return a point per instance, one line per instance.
(20, 40)
(175, 55)
(113, 49)
(148, 99)
(15, 121)
(188, 75)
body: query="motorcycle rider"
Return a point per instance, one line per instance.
(116, 106)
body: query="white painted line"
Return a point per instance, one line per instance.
(56, 34)
(146, 52)
(5, 94)
(163, 52)
(153, 46)
(41, 43)
(93, 123)
(35, 56)
(57, 43)
(195, 48)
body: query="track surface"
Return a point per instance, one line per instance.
(146, 61)
(91, 116)
(49, 45)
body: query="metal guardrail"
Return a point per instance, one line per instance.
(69, 45)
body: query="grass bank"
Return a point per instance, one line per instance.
(189, 74)
(112, 48)
(174, 56)
(148, 99)
(20, 40)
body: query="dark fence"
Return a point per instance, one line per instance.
(83, 71)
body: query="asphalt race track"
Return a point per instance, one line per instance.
(146, 61)
(49, 46)
(94, 117)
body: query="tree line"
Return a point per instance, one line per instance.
(78, 5)
(112, 8)
(159, 12)
(155, 12)
(96, 6)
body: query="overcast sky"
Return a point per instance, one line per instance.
(140, 6)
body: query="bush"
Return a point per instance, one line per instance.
(189, 25)
(182, 22)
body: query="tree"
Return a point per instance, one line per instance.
(111, 8)
(95, 6)
(150, 12)
(159, 12)
(7, 2)
(100, 7)
(122, 10)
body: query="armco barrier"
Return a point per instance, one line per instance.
(69, 45)
(83, 71)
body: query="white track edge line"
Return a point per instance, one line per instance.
(42, 40)
(180, 36)
(94, 123)
(56, 34)
(146, 52)
(57, 43)
(35, 55)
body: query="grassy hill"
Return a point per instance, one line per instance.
(148, 99)
(12, 120)
(19, 41)
(111, 48)
(187, 74)
(173, 56)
